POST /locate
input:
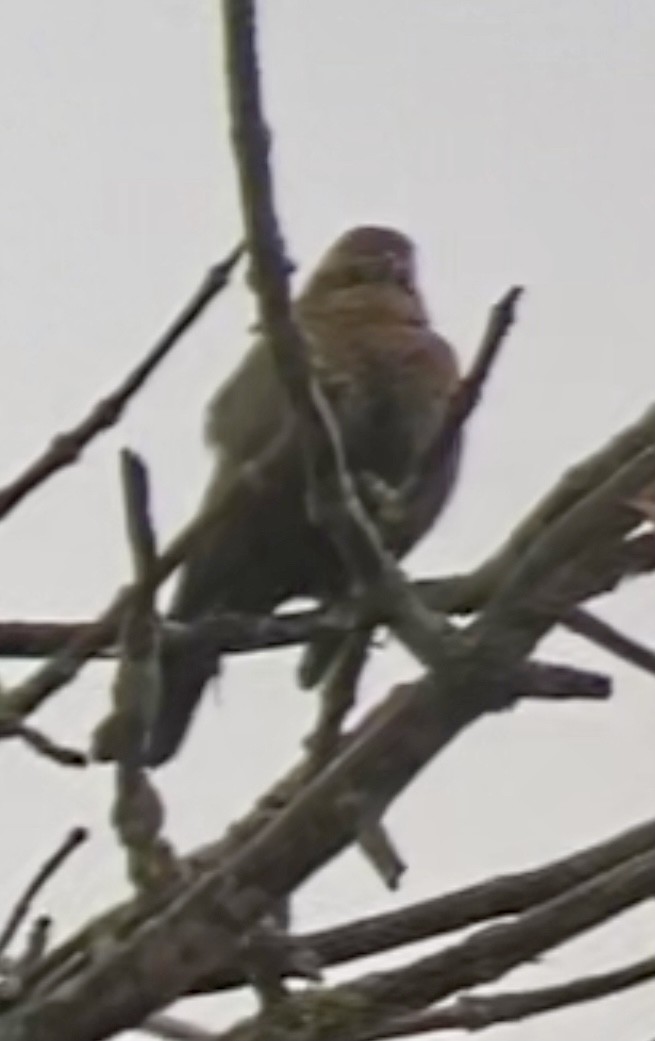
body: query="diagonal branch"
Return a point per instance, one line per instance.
(471, 1012)
(604, 635)
(494, 898)
(41, 743)
(66, 448)
(358, 1008)
(469, 391)
(74, 839)
(468, 593)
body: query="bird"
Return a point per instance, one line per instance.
(388, 377)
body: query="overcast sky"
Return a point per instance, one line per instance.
(516, 142)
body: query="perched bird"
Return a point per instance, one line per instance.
(388, 377)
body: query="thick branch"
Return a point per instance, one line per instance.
(470, 592)
(494, 898)
(472, 1012)
(357, 1009)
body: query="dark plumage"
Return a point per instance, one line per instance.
(388, 377)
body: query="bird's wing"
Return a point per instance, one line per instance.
(250, 409)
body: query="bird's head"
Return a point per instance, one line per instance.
(366, 256)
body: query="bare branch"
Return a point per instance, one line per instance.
(455, 594)
(493, 951)
(66, 448)
(470, 592)
(634, 556)
(137, 685)
(592, 514)
(472, 1012)
(604, 635)
(450, 912)
(64, 666)
(138, 813)
(229, 632)
(378, 761)
(36, 946)
(362, 1006)
(42, 744)
(469, 392)
(74, 839)
(549, 681)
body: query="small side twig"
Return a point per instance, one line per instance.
(136, 689)
(42, 744)
(604, 635)
(469, 391)
(66, 448)
(73, 840)
(138, 813)
(15, 971)
(600, 512)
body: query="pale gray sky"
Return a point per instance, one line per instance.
(516, 142)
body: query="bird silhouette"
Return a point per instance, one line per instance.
(388, 377)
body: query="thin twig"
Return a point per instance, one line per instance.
(138, 812)
(74, 839)
(42, 744)
(604, 635)
(66, 448)
(469, 391)
(136, 688)
(36, 946)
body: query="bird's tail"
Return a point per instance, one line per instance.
(150, 735)
(186, 668)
